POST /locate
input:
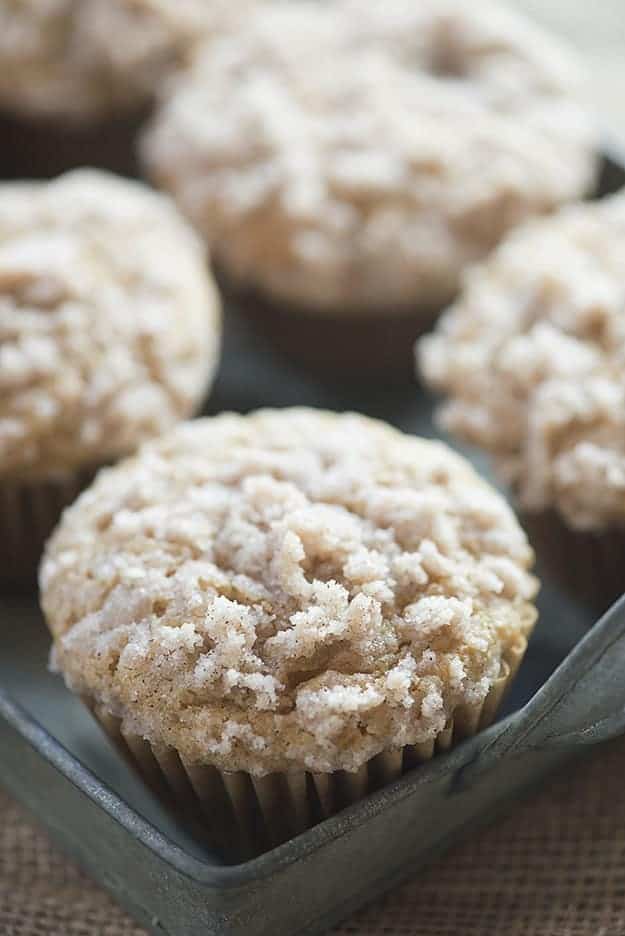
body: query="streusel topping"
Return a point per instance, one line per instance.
(290, 589)
(532, 357)
(109, 322)
(360, 155)
(86, 58)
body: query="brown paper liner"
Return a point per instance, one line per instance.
(243, 816)
(31, 148)
(340, 344)
(589, 565)
(28, 514)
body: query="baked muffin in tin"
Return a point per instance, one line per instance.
(346, 161)
(109, 334)
(77, 77)
(274, 614)
(531, 359)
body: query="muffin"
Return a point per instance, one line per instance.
(532, 360)
(75, 78)
(109, 334)
(346, 161)
(273, 614)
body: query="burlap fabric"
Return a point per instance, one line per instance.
(555, 867)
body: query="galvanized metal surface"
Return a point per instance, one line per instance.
(53, 758)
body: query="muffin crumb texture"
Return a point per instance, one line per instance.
(288, 590)
(532, 358)
(109, 322)
(351, 155)
(81, 60)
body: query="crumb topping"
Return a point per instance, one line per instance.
(109, 322)
(360, 154)
(532, 356)
(292, 589)
(87, 58)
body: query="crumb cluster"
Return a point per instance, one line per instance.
(358, 155)
(81, 59)
(532, 357)
(109, 322)
(292, 589)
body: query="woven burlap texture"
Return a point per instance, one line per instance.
(555, 867)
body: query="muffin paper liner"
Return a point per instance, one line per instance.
(242, 815)
(45, 147)
(342, 344)
(28, 514)
(589, 565)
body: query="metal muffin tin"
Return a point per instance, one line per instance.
(569, 693)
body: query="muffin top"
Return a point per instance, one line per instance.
(359, 154)
(90, 58)
(109, 322)
(293, 589)
(532, 356)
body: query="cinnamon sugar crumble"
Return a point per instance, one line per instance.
(532, 358)
(358, 155)
(109, 322)
(86, 59)
(290, 589)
